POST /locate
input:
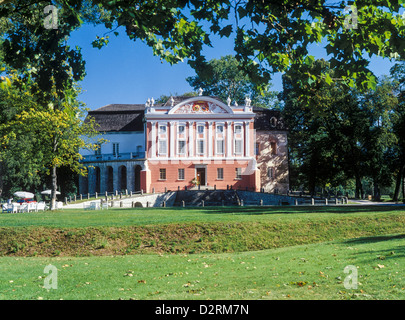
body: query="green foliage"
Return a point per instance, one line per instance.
(223, 78)
(398, 123)
(35, 139)
(270, 36)
(337, 134)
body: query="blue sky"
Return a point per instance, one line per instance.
(126, 71)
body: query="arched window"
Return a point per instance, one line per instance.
(273, 122)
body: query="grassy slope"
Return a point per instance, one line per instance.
(78, 233)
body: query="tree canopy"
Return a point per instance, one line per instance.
(343, 134)
(225, 80)
(270, 36)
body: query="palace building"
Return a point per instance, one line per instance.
(186, 143)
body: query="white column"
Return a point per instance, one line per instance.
(190, 138)
(172, 146)
(153, 139)
(209, 144)
(247, 141)
(229, 139)
(214, 147)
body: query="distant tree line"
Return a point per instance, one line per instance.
(344, 139)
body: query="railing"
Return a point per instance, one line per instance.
(112, 156)
(116, 195)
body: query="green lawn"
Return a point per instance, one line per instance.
(159, 216)
(300, 272)
(205, 253)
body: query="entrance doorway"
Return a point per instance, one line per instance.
(200, 176)
(138, 169)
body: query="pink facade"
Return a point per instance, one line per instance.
(201, 142)
(197, 142)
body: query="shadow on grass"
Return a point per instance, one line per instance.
(391, 252)
(258, 210)
(374, 239)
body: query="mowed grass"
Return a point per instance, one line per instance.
(205, 253)
(77, 218)
(301, 272)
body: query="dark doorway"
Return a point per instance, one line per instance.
(98, 178)
(122, 171)
(201, 176)
(110, 179)
(138, 170)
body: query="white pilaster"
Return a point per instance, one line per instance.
(153, 139)
(209, 143)
(190, 138)
(247, 142)
(172, 143)
(229, 139)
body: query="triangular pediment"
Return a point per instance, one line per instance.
(201, 105)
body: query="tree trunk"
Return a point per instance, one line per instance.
(1, 178)
(403, 188)
(376, 191)
(398, 183)
(54, 188)
(359, 187)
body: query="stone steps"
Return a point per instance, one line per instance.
(194, 198)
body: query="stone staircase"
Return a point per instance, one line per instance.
(195, 198)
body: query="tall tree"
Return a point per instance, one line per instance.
(340, 134)
(56, 137)
(398, 77)
(378, 137)
(223, 78)
(47, 68)
(20, 159)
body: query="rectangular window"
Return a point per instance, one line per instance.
(98, 150)
(162, 174)
(181, 147)
(181, 129)
(257, 148)
(162, 128)
(181, 174)
(200, 129)
(273, 147)
(271, 173)
(116, 148)
(220, 173)
(162, 147)
(200, 146)
(220, 128)
(238, 146)
(238, 128)
(238, 173)
(220, 147)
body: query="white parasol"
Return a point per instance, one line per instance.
(49, 192)
(24, 194)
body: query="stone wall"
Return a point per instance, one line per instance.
(278, 179)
